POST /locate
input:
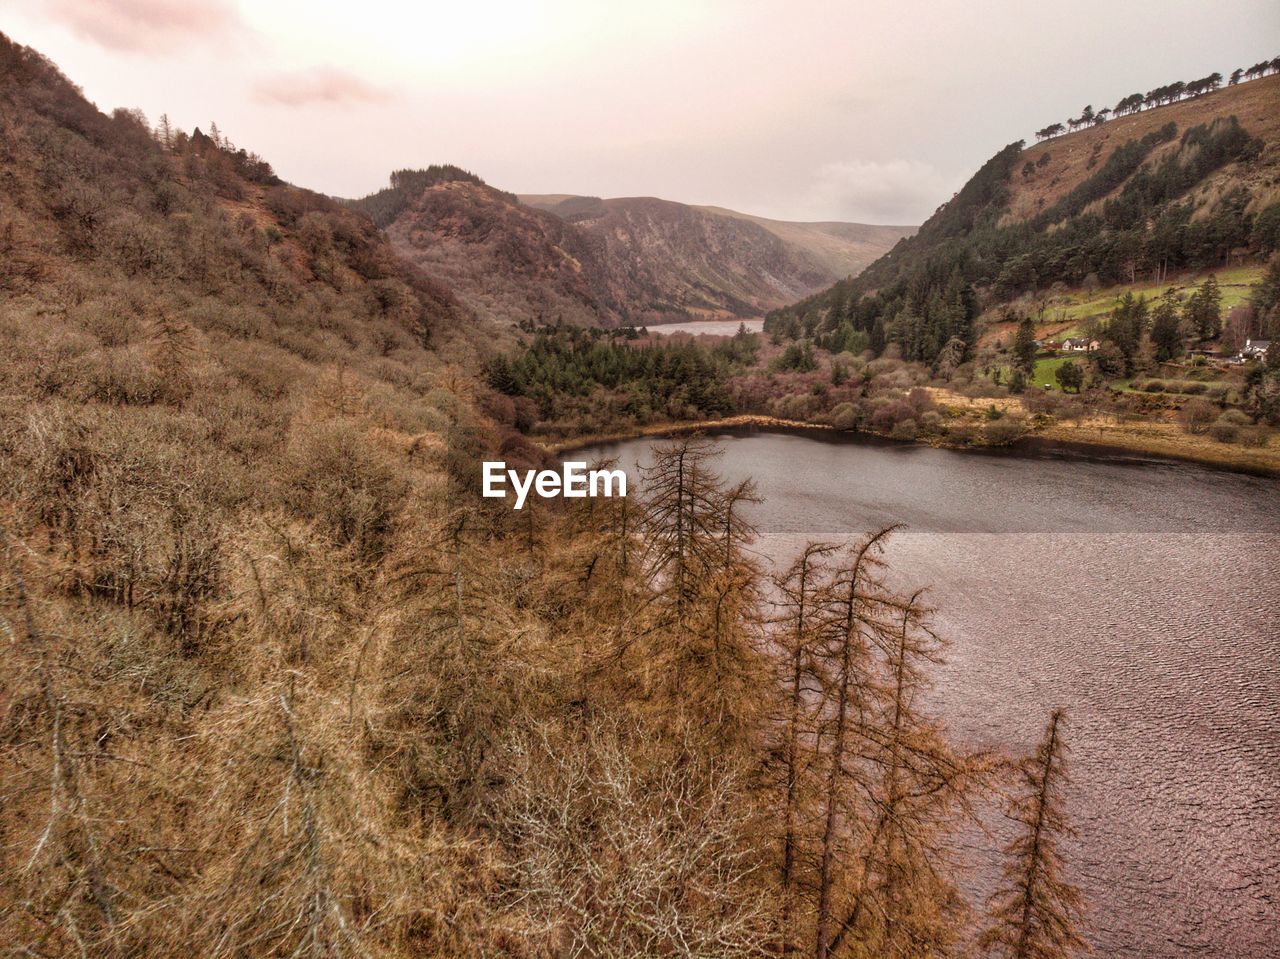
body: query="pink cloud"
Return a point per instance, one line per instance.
(317, 85)
(147, 26)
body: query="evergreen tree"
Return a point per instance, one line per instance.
(1204, 310)
(1024, 347)
(1166, 329)
(1070, 377)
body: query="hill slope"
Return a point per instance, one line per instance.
(508, 262)
(709, 259)
(1186, 186)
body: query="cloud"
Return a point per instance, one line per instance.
(317, 85)
(897, 191)
(148, 26)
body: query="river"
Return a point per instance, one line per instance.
(1142, 597)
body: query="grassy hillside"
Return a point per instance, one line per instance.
(1135, 200)
(1066, 312)
(1063, 162)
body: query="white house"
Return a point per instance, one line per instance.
(1080, 345)
(1255, 349)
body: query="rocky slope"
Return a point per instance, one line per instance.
(712, 260)
(583, 260)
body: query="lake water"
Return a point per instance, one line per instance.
(1142, 597)
(709, 327)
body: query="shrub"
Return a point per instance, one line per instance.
(904, 430)
(1224, 432)
(844, 416)
(1255, 436)
(1228, 426)
(1153, 386)
(1004, 431)
(1197, 415)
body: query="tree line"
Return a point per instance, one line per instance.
(1160, 96)
(587, 379)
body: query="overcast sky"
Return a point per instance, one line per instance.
(868, 111)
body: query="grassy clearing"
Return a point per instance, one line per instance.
(1046, 371)
(1067, 312)
(1235, 282)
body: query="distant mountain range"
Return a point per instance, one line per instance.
(607, 262)
(718, 260)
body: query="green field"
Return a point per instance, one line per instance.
(1046, 370)
(1076, 307)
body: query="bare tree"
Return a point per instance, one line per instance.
(1036, 913)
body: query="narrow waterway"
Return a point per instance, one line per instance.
(1143, 598)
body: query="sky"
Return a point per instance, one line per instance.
(859, 110)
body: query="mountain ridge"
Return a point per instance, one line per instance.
(810, 249)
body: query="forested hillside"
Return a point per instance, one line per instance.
(1186, 186)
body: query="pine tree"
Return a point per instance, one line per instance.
(164, 132)
(1166, 330)
(1036, 913)
(1024, 346)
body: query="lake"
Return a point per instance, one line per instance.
(709, 327)
(1144, 597)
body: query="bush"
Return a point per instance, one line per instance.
(845, 416)
(905, 430)
(931, 422)
(1004, 431)
(1224, 432)
(1255, 436)
(1197, 415)
(1153, 386)
(1227, 428)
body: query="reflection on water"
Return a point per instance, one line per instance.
(1143, 598)
(709, 327)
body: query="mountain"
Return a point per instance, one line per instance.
(105, 217)
(506, 261)
(1192, 185)
(713, 260)
(607, 262)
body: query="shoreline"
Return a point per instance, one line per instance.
(1056, 438)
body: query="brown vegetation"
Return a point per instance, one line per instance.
(276, 681)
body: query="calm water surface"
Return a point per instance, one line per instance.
(1144, 598)
(710, 327)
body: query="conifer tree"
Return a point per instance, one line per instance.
(802, 595)
(1024, 346)
(1036, 912)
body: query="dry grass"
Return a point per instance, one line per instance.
(1256, 104)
